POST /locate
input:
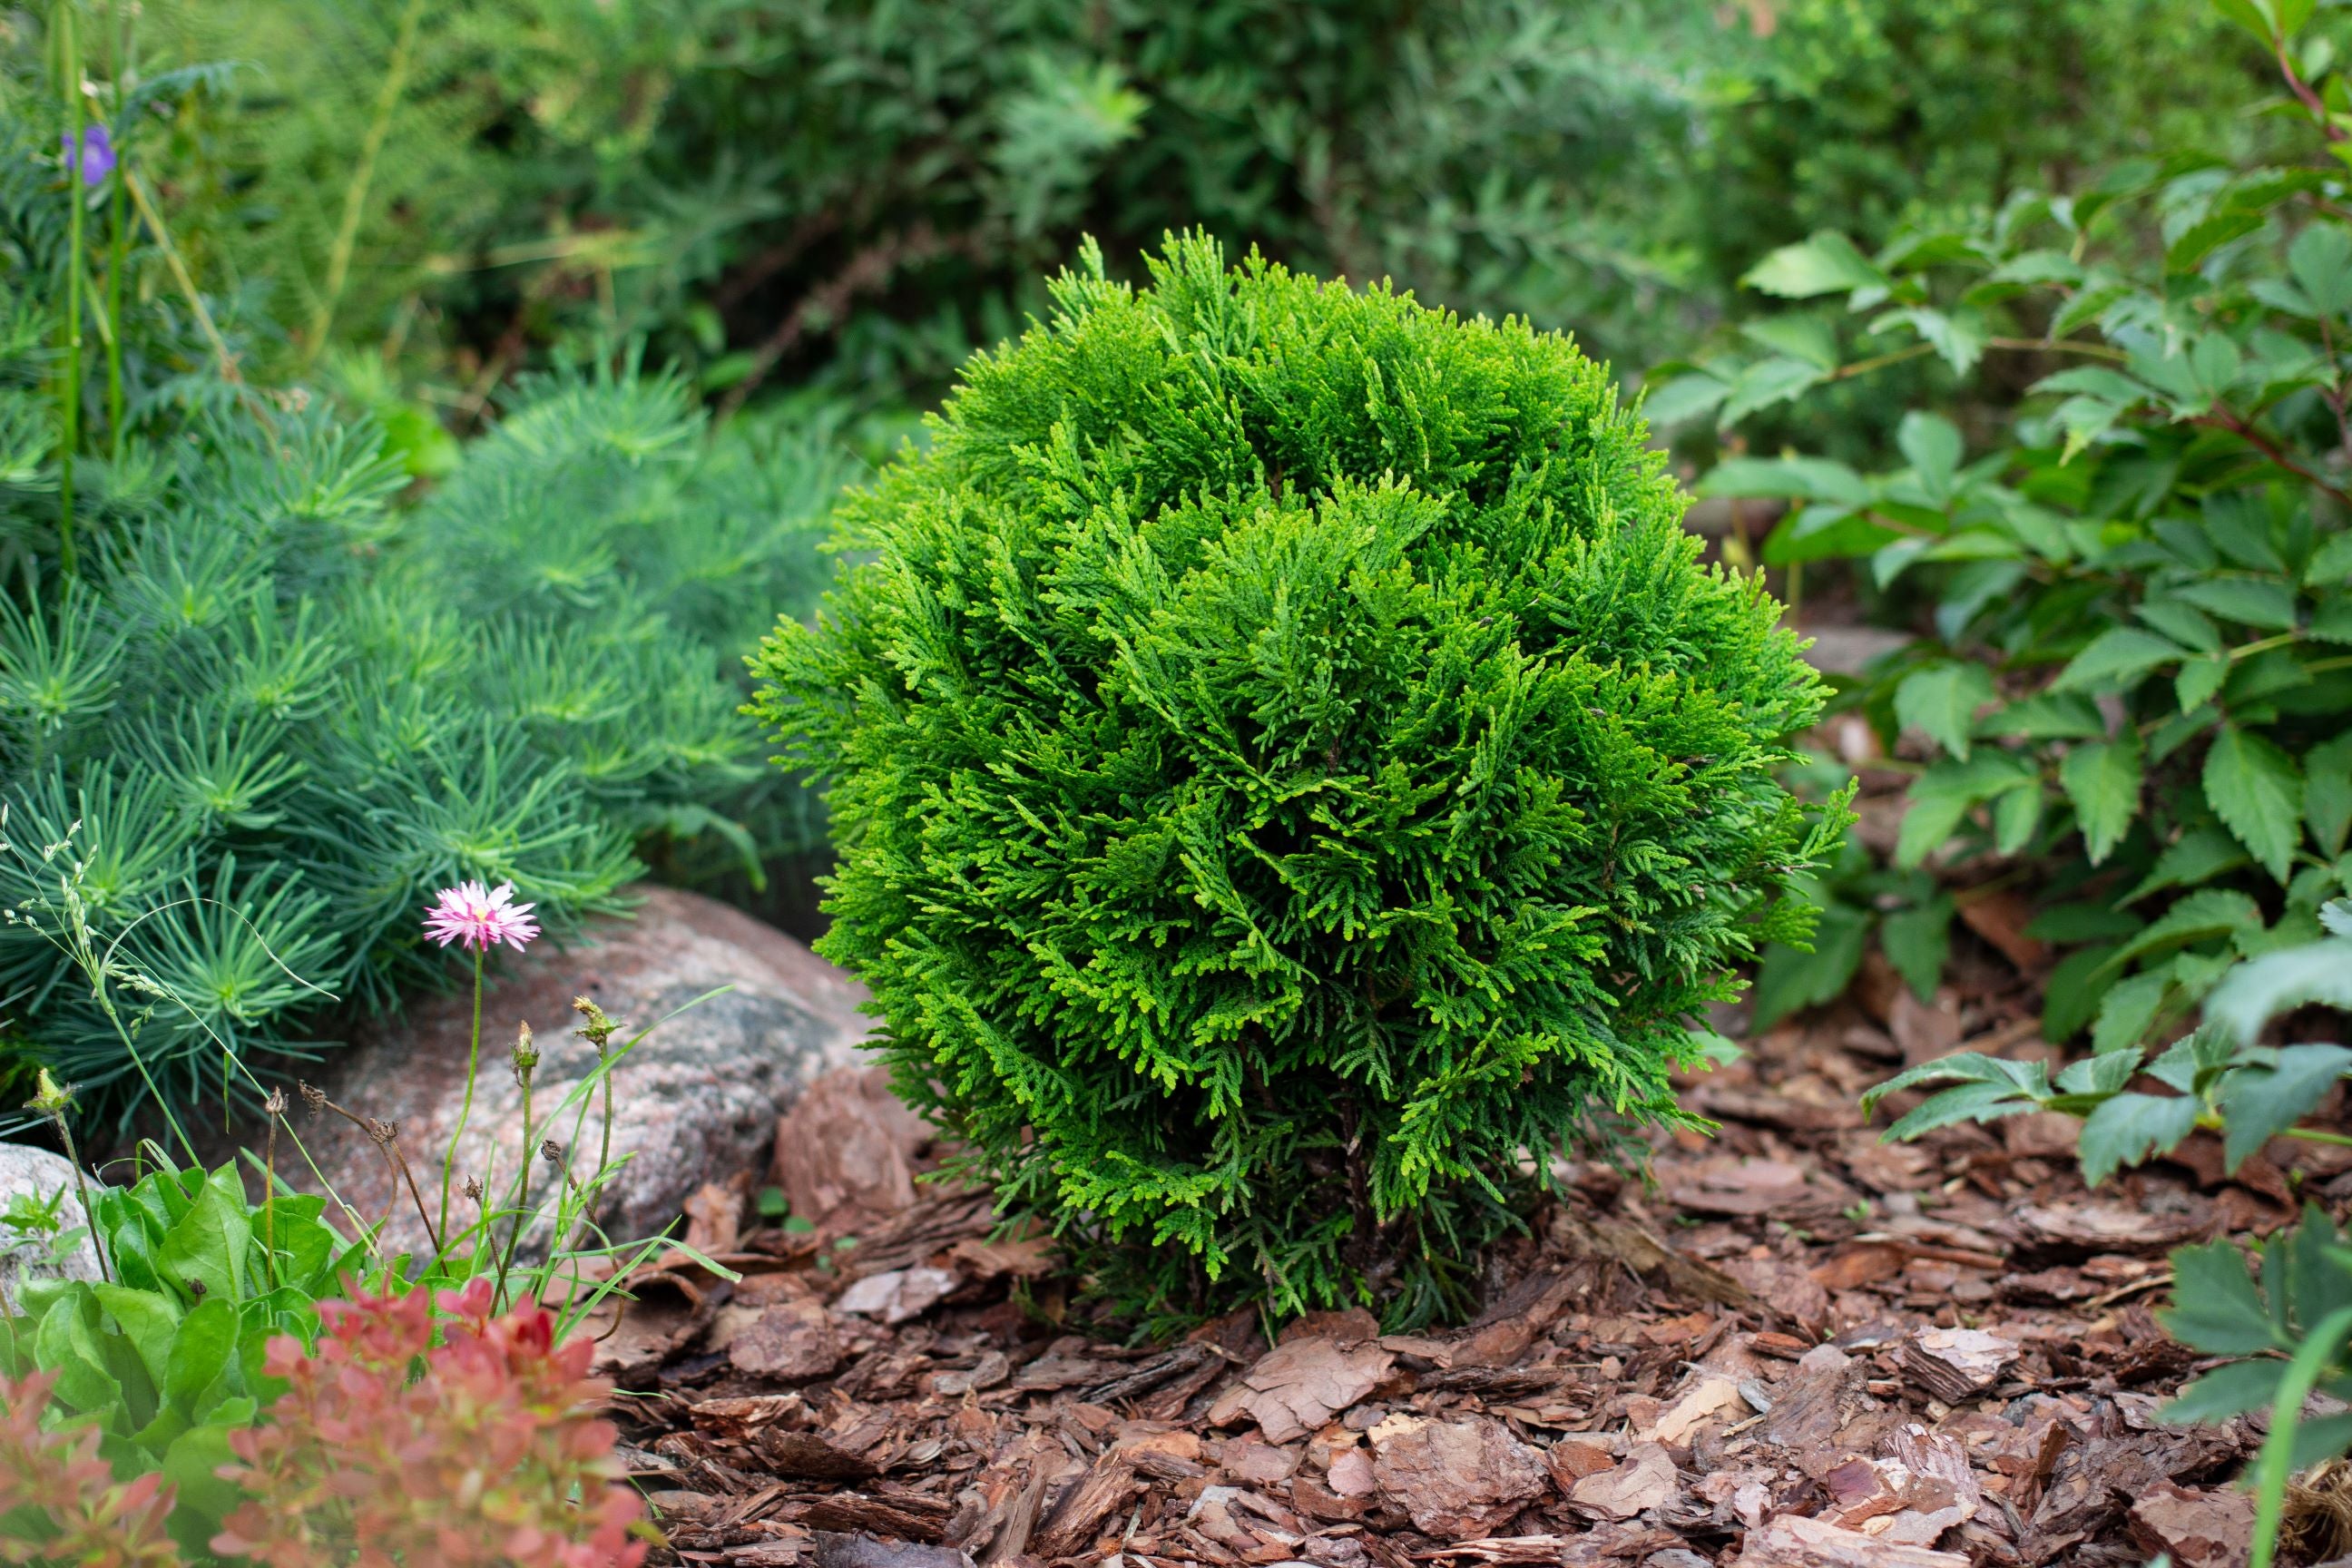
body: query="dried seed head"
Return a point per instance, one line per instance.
(383, 1133)
(525, 1055)
(599, 1026)
(314, 1099)
(474, 1189)
(552, 1151)
(273, 1104)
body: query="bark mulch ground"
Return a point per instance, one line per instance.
(1797, 1346)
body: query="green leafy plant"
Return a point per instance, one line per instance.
(1287, 761)
(164, 1357)
(2133, 674)
(271, 707)
(2289, 1331)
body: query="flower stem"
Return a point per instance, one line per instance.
(522, 1203)
(81, 1188)
(119, 38)
(355, 193)
(466, 1110)
(69, 386)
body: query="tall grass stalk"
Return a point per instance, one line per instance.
(69, 384)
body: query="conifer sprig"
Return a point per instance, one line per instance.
(1289, 764)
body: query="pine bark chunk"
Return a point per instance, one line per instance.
(1459, 1479)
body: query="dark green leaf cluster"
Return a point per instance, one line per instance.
(1290, 768)
(2135, 666)
(276, 707)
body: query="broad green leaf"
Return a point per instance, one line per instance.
(210, 1242)
(2257, 792)
(2201, 916)
(2327, 794)
(2048, 716)
(2215, 1310)
(1788, 979)
(2029, 1078)
(2226, 1391)
(2259, 1102)
(1932, 443)
(1828, 263)
(2198, 680)
(2128, 1128)
(2247, 600)
(1918, 943)
(1682, 398)
(2321, 262)
(147, 1319)
(2103, 780)
(2015, 815)
(1787, 479)
(1764, 383)
(2076, 989)
(2197, 856)
(2183, 623)
(2117, 658)
(1968, 1102)
(201, 1353)
(2129, 1011)
(1806, 338)
(1958, 336)
(2331, 562)
(2202, 238)
(2260, 989)
(1941, 703)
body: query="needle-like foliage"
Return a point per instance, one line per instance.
(1291, 770)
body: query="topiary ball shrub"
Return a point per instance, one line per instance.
(1290, 771)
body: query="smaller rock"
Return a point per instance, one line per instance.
(787, 1339)
(2197, 1529)
(35, 1180)
(898, 1295)
(1458, 1480)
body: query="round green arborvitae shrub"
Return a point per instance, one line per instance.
(1290, 771)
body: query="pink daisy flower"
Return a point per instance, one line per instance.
(480, 918)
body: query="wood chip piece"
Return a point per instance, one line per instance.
(1952, 1365)
(788, 1340)
(1793, 1541)
(1646, 1479)
(2195, 1529)
(1298, 1385)
(1460, 1478)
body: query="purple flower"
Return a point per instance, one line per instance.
(97, 153)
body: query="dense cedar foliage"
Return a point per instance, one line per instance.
(1287, 761)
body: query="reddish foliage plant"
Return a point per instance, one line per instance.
(489, 1457)
(59, 1502)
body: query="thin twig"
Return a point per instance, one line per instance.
(347, 233)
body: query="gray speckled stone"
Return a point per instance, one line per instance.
(39, 1173)
(695, 1101)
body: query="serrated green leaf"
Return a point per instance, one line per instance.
(2202, 238)
(2327, 794)
(1918, 943)
(2129, 1011)
(2226, 1391)
(2128, 1128)
(1764, 383)
(1932, 445)
(1805, 338)
(1941, 703)
(2215, 1310)
(2260, 989)
(1785, 478)
(2257, 792)
(2246, 600)
(2198, 680)
(2258, 1102)
(1825, 264)
(2102, 779)
(1968, 1102)
(2320, 260)
(2117, 658)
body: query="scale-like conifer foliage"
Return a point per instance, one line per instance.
(1291, 771)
